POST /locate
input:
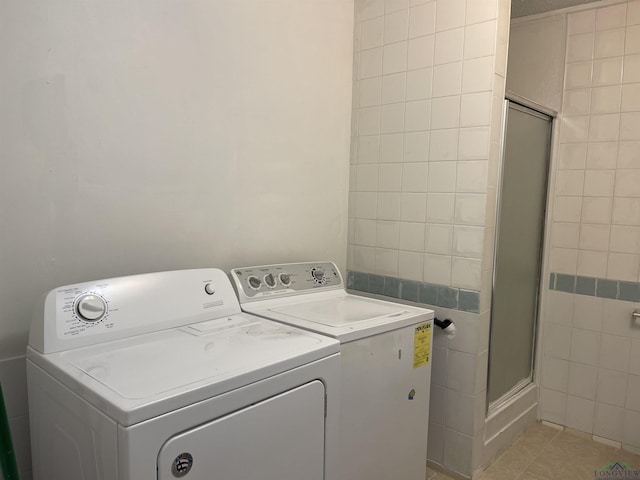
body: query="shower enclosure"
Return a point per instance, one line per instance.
(518, 255)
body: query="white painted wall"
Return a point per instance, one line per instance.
(536, 60)
(148, 135)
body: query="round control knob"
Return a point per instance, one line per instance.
(210, 288)
(254, 282)
(90, 308)
(285, 279)
(318, 275)
(270, 280)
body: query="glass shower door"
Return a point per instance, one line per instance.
(518, 256)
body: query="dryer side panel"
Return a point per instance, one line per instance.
(279, 438)
(70, 439)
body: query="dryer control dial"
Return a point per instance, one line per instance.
(90, 307)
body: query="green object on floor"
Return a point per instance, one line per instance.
(8, 464)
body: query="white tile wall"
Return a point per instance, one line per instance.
(447, 79)
(634, 357)
(608, 421)
(609, 43)
(633, 393)
(576, 102)
(449, 46)
(416, 146)
(555, 373)
(438, 239)
(611, 17)
(580, 413)
(478, 39)
(458, 449)
(596, 145)
(419, 84)
(557, 341)
(445, 112)
(628, 154)
(615, 352)
(580, 47)
(594, 385)
(581, 22)
(583, 380)
(459, 411)
(471, 176)
(602, 155)
(466, 273)
(420, 52)
(611, 389)
(450, 14)
(424, 78)
(631, 429)
(553, 405)
(595, 229)
(607, 71)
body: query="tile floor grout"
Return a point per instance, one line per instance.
(547, 453)
(535, 457)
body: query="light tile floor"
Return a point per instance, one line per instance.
(545, 453)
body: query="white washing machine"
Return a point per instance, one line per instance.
(160, 376)
(385, 357)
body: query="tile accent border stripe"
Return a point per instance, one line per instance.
(411, 290)
(595, 287)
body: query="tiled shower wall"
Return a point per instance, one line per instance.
(427, 102)
(591, 345)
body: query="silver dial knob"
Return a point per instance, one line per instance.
(285, 279)
(270, 280)
(90, 307)
(254, 282)
(210, 288)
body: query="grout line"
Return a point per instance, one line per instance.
(539, 454)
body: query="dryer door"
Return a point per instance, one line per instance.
(279, 438)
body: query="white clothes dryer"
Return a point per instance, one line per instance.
(160, 376)
(385, 358)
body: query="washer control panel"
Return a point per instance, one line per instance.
(94, 312)
(254, 283)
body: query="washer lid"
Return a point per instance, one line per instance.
(342, 311)
(148, 375)
(339, 314)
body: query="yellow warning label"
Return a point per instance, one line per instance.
(421, 345)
